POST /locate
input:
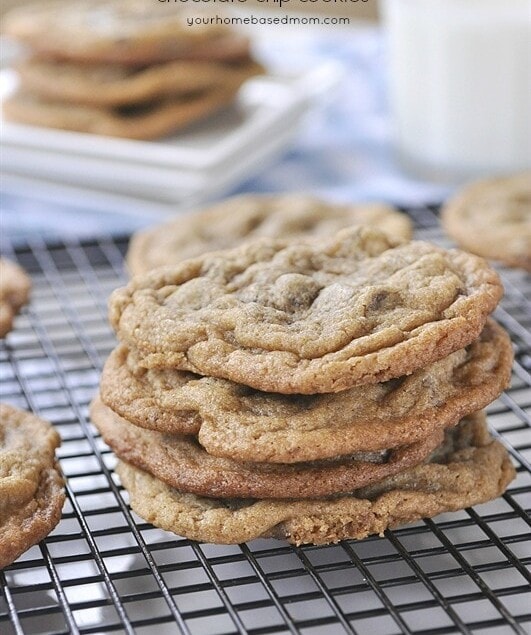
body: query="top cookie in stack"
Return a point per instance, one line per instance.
(124, 68)
(306, 390)
(292, 317)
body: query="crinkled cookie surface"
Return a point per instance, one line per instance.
(242, 423)
(23, 526)
(287, 317)
(248, 217)
(469, 468)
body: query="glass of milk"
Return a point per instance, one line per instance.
(460, 85)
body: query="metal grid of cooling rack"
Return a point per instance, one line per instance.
(104, 570)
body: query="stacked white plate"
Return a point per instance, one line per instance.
(195, 165)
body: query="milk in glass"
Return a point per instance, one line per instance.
(460, 84)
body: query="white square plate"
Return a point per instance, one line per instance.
(203, 160)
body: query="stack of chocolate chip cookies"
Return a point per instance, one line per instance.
(311, 391)
(125, 68)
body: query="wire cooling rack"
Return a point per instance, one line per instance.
(104, 570)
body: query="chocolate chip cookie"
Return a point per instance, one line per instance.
(288, 317)
(27, 446)
(469, 468)
(180, 462)
(31, 486)
(15, 287)
(492, 218)
(136, 121)
(238, 422)
(244, 218)
(132, 32)
(112, 85)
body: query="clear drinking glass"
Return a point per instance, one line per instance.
(460, 85)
